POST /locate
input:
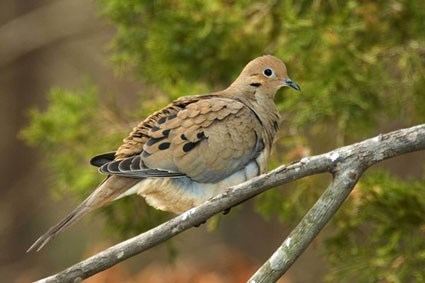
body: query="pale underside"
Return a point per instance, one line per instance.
(180, 194)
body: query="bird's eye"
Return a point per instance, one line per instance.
(268, 72)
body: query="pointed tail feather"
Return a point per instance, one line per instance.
(108, 191)
(75, 215)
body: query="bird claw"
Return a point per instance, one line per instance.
(197, 225)
(227, 210)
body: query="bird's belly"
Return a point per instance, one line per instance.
(180, 194)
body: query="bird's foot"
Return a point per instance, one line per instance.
(197, 225)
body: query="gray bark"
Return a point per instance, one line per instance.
(312, 223)
(345, 163)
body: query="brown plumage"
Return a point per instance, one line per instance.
(194, 148)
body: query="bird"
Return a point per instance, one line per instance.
(193, 149)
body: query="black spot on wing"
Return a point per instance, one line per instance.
(162, 120)
(200, 135)
(166, 133)
(189, 146)
(164, 145)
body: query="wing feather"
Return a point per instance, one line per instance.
(206, 138)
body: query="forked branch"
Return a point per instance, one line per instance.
(345, 163)
(308, 228)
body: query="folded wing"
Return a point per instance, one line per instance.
(206, 139)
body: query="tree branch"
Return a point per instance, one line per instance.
(311, 224)
(346, 163)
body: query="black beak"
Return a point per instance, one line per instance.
(292, 84)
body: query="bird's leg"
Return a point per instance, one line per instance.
(227, 210)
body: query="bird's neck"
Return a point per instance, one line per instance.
(264, 107)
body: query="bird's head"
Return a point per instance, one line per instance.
(264, 75)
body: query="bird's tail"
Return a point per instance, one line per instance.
(108, 191)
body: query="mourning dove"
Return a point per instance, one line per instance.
(194, 148)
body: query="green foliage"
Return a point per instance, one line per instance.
(381, 231)
(351, 57)
(292, 201)
(68, 133)
(361, 67)
(63, 132)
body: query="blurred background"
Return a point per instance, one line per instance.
(76, 75)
